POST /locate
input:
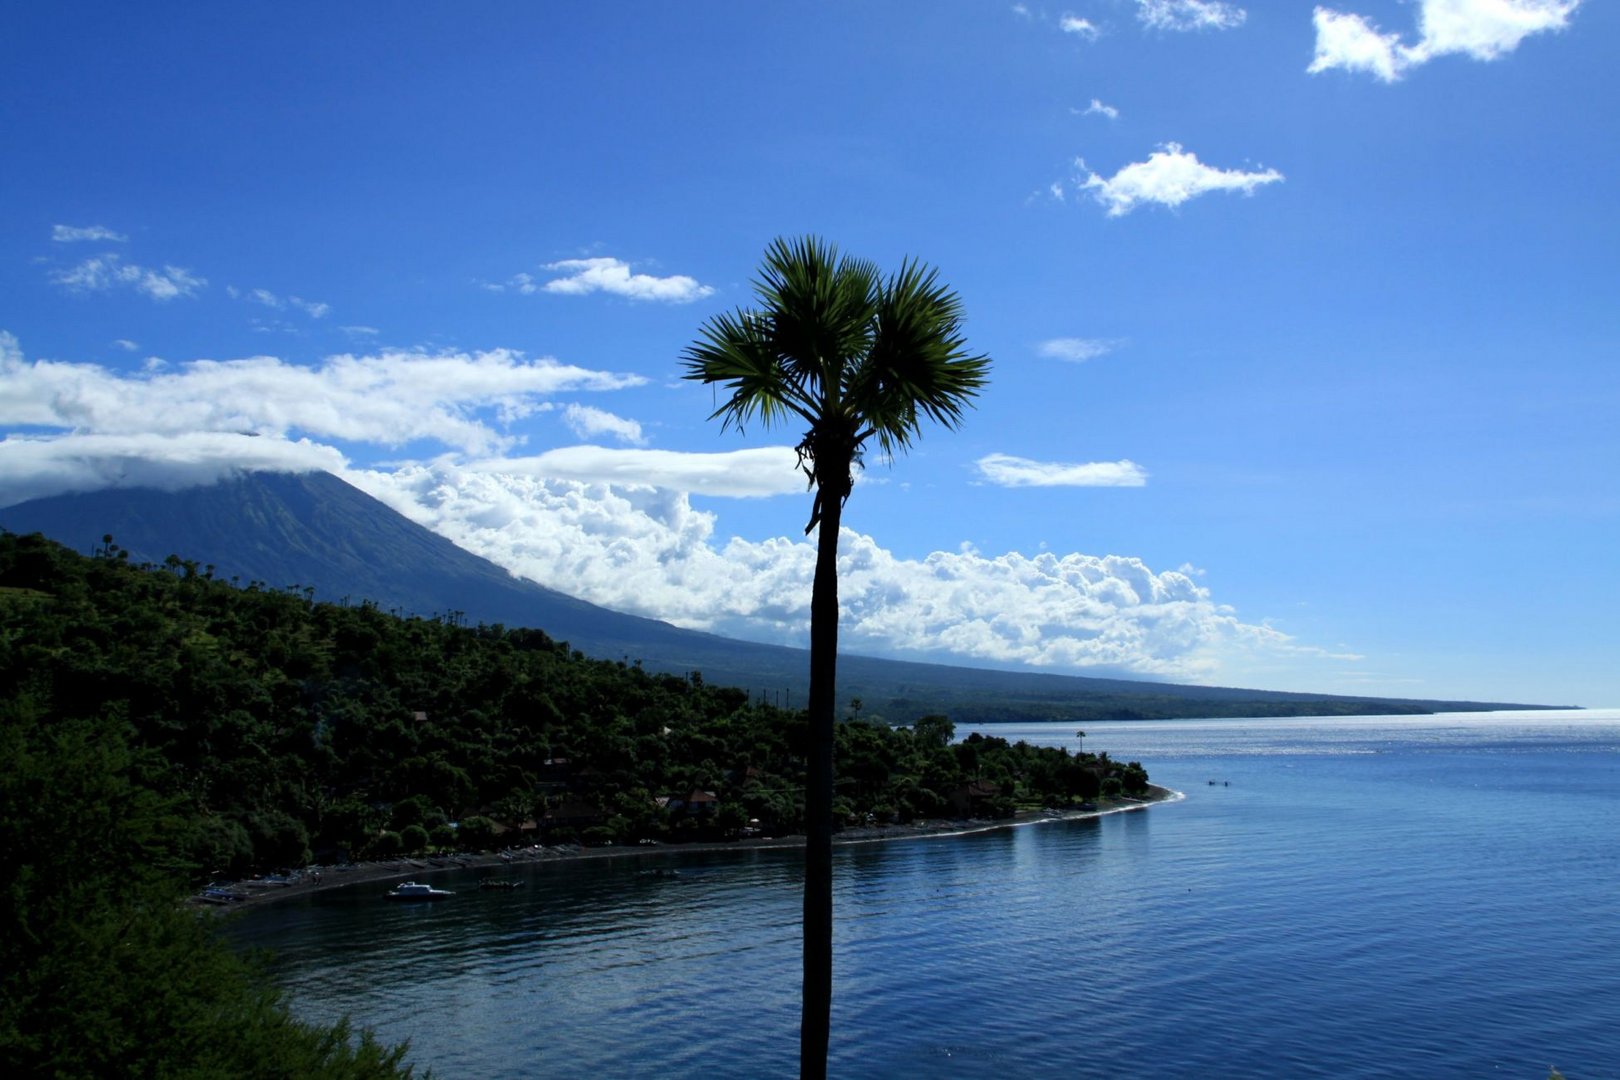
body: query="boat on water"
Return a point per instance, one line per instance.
(498, 883)
(415, 890)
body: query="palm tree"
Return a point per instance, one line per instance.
(855, 358)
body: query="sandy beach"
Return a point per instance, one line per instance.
(253, 892)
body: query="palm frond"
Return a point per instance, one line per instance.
(852, 355)
(735, 349)
(918, 366)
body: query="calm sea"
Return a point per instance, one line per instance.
(1373, 897)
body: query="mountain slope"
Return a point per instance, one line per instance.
(313, 530)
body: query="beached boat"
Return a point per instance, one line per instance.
(220, 894)
(414, 890)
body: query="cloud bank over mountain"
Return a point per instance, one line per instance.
(648, 551)
(612, 525)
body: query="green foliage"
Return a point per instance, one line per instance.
(476, 833)
(934, 731)
(104, 973)
(273, 729)
(835, 345)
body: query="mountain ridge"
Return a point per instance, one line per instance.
(314, 530)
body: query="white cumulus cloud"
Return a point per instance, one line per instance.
(101, 273)
(1354, 44)
(648, 551)
(1009, 471)
(581, 276)
(1482, 29)
(1183, 15)
(614, 526)
(1169, 177)
(1097, 108)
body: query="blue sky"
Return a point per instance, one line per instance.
(1303, 319)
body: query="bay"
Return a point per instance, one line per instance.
(1350, 897)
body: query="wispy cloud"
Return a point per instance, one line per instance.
(613, 276)
(71, 234)
(313, 308)
(1005, 470)
(1073, 24)
(1076, 350)
(588, 422)
(1169, 177)
(1097, 108)
(1185, 15)
(125, 344)
(1482, 29)
(102, 273)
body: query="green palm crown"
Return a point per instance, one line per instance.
(852, 355)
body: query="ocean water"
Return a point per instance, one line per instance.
(1370, 897)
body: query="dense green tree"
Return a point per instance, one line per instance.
(102, 972)
(266, 765)
(476, 832)
(854, 358)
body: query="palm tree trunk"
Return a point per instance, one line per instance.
(816, 1017)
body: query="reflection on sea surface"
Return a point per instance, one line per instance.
(1365, 897)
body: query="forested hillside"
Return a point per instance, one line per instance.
(158, 726)
(288, 729)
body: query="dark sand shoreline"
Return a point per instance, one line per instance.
(256, 892)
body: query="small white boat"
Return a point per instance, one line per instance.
(414, 890)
